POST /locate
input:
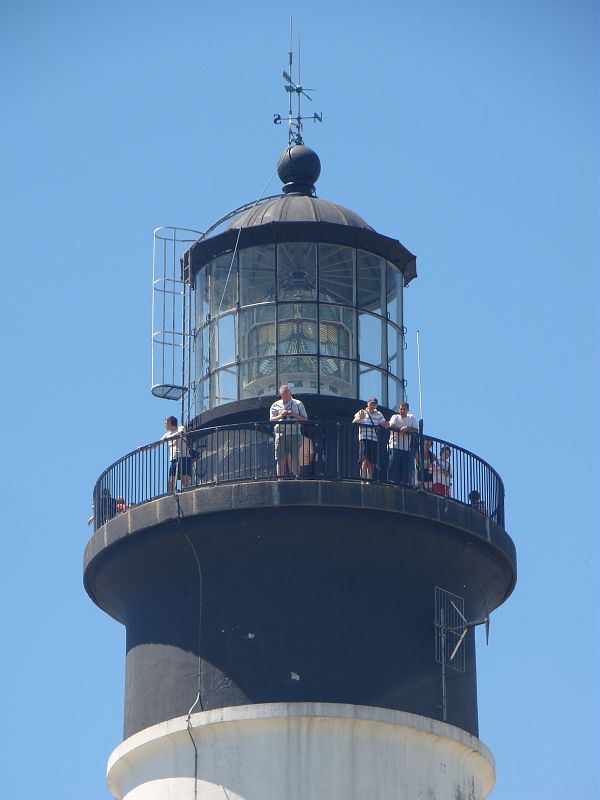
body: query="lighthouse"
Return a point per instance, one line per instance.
(305, 634)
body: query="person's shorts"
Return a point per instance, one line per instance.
(180, 467)
(368, 450)
(287, 444)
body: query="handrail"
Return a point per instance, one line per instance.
(313, 450)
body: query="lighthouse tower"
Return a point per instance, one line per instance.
(300, 635)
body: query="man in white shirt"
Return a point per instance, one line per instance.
(287, 413)
(180, 463)
(401, 446)
(369, 419)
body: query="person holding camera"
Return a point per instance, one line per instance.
(287, 414)
(369, 419)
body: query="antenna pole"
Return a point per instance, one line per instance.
(290, 110)
(299, 118)
(420, 385)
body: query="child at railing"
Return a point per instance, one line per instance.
(427, 459)
(476, 502)
(442, 473)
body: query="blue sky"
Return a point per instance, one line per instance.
(469, 131)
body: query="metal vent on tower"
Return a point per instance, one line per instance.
(449, 623)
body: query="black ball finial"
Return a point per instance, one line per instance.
(298, 168)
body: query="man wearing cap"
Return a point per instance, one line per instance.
(369, 419)
(403, 427)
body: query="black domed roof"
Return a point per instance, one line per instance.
(297, 208)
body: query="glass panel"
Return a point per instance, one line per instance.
(297, 271)
(395, 393)
(370, 281)
(395, 346)
(257, 331)
(372, 383)
(371, 338)
(202, 355)
(299, 372)
(394, 295)
(202, 396)
(337, 331)
(223, 386)
(297, 328)
(223, 344)
(257, 274)
(202, 305)
(223, 284)
(336, 274)
(258, 377)
(338, 377)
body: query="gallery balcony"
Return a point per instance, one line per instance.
(318, 451)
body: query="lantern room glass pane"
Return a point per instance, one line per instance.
(202, 396)
(337, 331)
(223, 386)
(394, 295)
(297, 328)
(202, 354)
(257, 274)
(299, 372)
(338, 376)
(202, 298)
(336, 274)
(372, 383)
(395, 348)
(223, 341)
(370, 281)
(258, 377)
(297, 271)
(257, 331)
(371, 337)
(223, 284)
(395, 393)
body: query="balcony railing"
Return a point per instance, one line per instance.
(312, 451)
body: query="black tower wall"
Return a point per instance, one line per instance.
(307, 591)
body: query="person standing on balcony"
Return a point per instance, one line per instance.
(369, 419)
(180, 463)
(442, 473)
(427, 460)
(107, 508)
(476, 502)
(401, 446)
(287, 413)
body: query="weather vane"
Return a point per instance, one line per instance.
(295, 122)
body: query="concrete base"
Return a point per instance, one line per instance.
(301, 751)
